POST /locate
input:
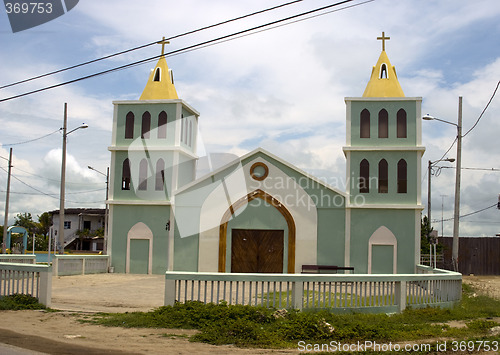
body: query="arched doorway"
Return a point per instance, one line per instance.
(139, 250)
(17, 230)
(268, 237)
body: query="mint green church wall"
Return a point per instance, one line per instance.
(331, 236)
(185, 251)
(138, 110)
(392, 108)
(392, 158)
(364, 222)
(124, 218)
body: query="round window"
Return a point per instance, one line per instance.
(259, 171)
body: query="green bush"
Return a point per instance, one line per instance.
(19, 301)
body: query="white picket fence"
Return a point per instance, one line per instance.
(33, 280)
(337, 292)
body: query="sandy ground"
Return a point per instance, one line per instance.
(79, 296)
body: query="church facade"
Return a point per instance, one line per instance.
(260, 213)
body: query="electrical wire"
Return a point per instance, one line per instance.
(484, 110)
(31, 140)
(465, 215)
(179, 51)
(150, 44)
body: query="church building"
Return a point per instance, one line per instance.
(259, 213)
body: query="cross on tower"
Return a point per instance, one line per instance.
(163, 43)
(383, 39)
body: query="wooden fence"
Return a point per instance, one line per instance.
(478, 256)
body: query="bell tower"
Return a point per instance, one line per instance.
(153, 153)
(383, 152)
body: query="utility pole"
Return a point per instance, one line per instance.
(457, 189)
(60, 237)
(6, 217)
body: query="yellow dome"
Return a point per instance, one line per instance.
(160, 85)
(384, 81)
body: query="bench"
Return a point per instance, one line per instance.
(329, 269)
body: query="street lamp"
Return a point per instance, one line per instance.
(63, 178)
(456, 214)
(105, 246)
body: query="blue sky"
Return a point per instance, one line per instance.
(281, 89)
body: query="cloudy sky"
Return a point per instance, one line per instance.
(281, 89)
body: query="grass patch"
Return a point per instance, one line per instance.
(254, 326)
(19, 302)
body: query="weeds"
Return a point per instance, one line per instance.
(19, 301)
(271, 328)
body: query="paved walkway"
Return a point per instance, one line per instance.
(108, 292)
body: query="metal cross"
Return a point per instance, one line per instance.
(383, 39)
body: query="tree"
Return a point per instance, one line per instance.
(425, 232)
(25, 220)
(44, 223)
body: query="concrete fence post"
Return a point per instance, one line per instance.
(45, 290)
(169, 292)
(400, 295)
(83, 265)
(298, 294)
(55, 266)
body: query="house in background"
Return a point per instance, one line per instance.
(259, 213)
(76, 222)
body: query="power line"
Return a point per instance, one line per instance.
(150, 44)
(31, 140)
(466, 215)
(182, 50)
(484, 110)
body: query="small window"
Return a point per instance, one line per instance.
(402, 176)
(383, 177)
(143, 175)
(129, 126)
(185, 130)
(364, 176)
(146, 125)
(190, 135)
(87, 225)
(401, 123)
(160, 175)
(67, 224)
(383, 71)
(182, 128)
(157, 75)
(126, 175)
(162, 125)
(171, 75)
(364, 127)
(383, 124)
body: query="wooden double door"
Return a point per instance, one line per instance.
(257, 250)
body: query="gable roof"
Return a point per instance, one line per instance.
(256, 152)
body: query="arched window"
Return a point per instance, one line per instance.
(126, 175)
(402, 176)
(190, 135)
(157, 75)
(160, 175)
(383, 124)
(364, 125)
(182, 128)
(143, 175)
(383, 177)
(162, 125)
(146, 125)
(383, 71)
(129, 125)
(186, 130)
(364, 176)
(401, 123)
